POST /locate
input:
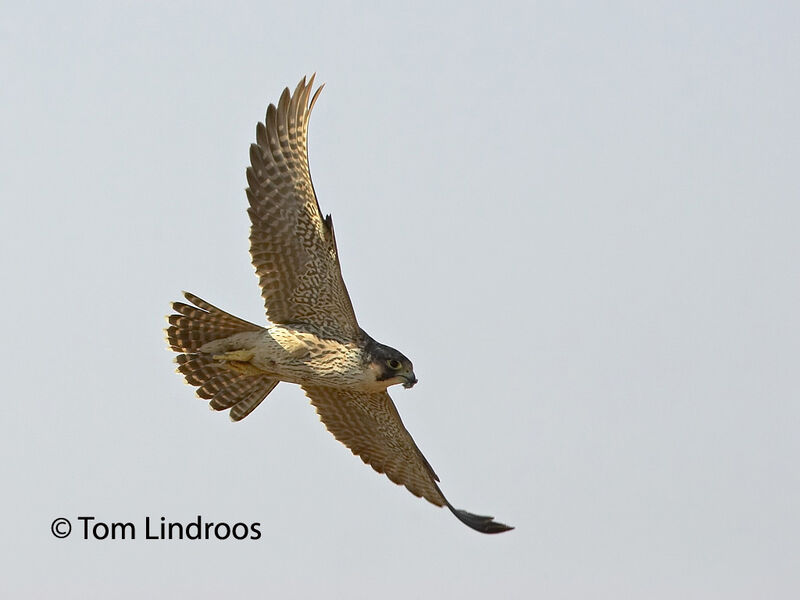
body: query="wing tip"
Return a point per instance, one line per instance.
(479, 523)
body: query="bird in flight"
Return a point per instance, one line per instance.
(314, 339)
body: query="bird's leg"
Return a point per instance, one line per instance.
(239, 361)
(237, 355)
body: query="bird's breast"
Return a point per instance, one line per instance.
(303, 357)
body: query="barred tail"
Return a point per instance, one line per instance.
(225, 387)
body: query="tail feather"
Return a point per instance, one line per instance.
(194, 326)
(249, 403)
(197, 368)
(225, 387)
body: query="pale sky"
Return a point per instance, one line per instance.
(580, 221)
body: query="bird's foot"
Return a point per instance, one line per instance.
(239, 361)
(235, 355)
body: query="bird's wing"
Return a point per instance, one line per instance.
(369, 424)
(292, 247)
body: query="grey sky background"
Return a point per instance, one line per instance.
(579, 220)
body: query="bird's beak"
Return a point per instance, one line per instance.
(410, 379)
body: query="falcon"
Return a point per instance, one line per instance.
(313, 339)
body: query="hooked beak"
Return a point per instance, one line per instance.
(409, 380)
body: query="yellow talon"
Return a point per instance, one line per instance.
(239, 361)
(237, 355)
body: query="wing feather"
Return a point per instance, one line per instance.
(369, 424)
(292, 247)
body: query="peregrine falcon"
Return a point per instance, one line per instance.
(314, 339)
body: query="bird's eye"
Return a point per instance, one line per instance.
(393, 364)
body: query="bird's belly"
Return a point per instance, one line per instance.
(303, 358)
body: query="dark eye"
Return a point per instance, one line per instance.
(393, 364)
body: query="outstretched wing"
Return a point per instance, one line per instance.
(292, 247)
(370, 426)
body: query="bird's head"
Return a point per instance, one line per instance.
(389, 366)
